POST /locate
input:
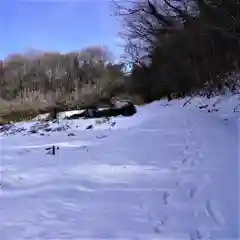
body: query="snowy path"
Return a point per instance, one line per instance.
(172, 176)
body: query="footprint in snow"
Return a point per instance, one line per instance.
(196, 235)
(192, 193)
(184, 161)
(160, 226)
(166, 197)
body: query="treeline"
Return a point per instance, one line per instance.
(181, 47)
(53, 77)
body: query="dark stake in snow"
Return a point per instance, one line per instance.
(52, 150)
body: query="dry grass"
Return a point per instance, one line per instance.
(24, 107)
(18, 111)
(31, 104)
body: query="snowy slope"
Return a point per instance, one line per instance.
(168, 172)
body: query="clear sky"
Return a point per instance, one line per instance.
(52, 25)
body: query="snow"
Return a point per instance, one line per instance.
(168, 172)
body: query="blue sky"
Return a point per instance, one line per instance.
(52, 25)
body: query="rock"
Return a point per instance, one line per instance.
(71, 134)
(53, 114)
(124, 108)
(101, 137)
(89, 127)
(48, 129)
(90, 112)
(113, 124)
(129, 109)
(33, 131)
(202, 107)
(55, 121)
(213, 110)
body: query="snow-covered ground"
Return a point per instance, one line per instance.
(168, 172)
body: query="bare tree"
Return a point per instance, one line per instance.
(146, 22)
(2, 78)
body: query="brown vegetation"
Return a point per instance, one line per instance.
(33, 84)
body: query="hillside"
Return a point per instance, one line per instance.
(168, 172)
